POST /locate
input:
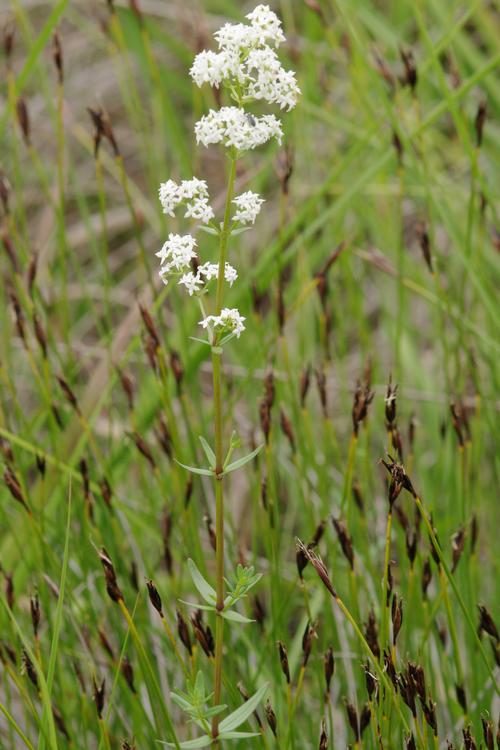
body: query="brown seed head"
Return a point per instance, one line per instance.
(28, 668)
(352, 718)
(23, 120)
(128, 673)
(396, 616)
(271, 717)
(305, 382)
(488, 732)
(390, 404)
(35, 612)
(425, 245)
(112, 587)
(287, 429)
(328, 667)
(457, 546)
(14, 487)
(363, 396)
(410, 70)
(58, 58)
(479, 122)
(318, 565)
(98, 694)
(371, 634)
(68, 393)
(345, 540)
(323, 738)
(183, 630)
(284, 660)
(154, 597)
(486, 623)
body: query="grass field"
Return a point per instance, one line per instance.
(368, 372)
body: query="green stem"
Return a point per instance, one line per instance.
(219, 457)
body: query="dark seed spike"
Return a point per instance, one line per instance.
(328, 668)
(396, 616)
(35, 613)
(486, 623)
(479, 122)
(154, 597)
(352, 717)
(371, 634)
(323, 738)
(345, 540)
(271, 718)
(183, 630)
(487, 725)
(284, 660)
(98, 694)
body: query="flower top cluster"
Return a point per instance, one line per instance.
(248, 66)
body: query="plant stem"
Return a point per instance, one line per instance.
(219, 458)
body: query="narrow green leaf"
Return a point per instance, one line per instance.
(200, 341)
(240, 230)
(237, 735)
(242, 713)
(209, 230)
(228, 614)
(204, 588)
(208, 452)
(206, 607)
(200, 742)
(242, 461)
(195, 469)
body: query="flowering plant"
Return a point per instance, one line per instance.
(247, 68)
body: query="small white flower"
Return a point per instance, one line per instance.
(248, 205)
(194, 193)
(230, 274)
(176, 254)
(233, 126)
(199, 209)
(169, 196)
(228, 320)
(211, 271)
(266, 25)
(191, 281)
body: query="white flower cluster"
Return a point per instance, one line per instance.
(176, 254)
(193, 193)
(247, 63)
(208, 271)
(228, 320)
(250, 68)
(232, 126)
(248, 207)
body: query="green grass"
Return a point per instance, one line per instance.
(379, 312)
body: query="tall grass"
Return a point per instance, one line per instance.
(375, 262)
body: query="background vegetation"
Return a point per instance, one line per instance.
(375, 256)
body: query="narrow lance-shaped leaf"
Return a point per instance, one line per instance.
(200, 742)
(208, 452)
(242, 461)
(234, 616)
(242, 713)
(195, 469)
(204, 588)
